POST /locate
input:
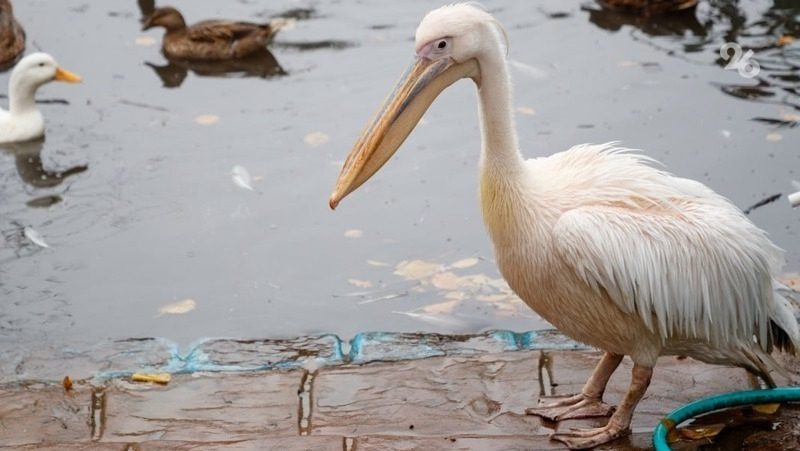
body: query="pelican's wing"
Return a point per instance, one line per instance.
(692, 270)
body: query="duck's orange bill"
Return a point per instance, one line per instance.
(67, 76)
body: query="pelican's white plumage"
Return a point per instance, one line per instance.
(23, 121)
(602, 244)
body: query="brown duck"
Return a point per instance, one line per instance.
(12, 36)
(209, 39)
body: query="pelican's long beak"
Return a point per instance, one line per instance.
(400, 113)
(67, 76)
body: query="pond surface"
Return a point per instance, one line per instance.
(149, 235)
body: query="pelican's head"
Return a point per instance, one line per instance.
(450, 43)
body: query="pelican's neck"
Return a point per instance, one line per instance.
(21, 94)
(500, 149)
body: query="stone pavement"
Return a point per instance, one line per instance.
(471, 397)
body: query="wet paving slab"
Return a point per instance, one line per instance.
(473, 397)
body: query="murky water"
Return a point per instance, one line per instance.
(133, 192)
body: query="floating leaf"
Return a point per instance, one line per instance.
(774, 137)
(700, 432)
(178, 308)
(353, 233)
(465, 263)
(785, 40)
(791, 117)
(315, 139)
(242, 178)
(158, 378)
(35, 237)
(456, 295)
(439, 320)
(442, 308)
(376, 263)
(360, 283)
(767, 409)
(67, 383)
(146, 41)
(417, 269)
(206, 119)
(445, 281)
(528, 111)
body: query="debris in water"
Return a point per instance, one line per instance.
(774, 137)
(315, 139)
(465, 263)
(242, 178)
(767, 409)
(353, 233)
(177, 308)
(360, 283)
(785, 40)
(206, 119)
(528, 111)
(35, 237)
(67, 383)
(438, 320)
(157, 378)
(762, 202)
(146, 41)
(794, 198)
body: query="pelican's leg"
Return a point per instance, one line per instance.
(589, 403)
(619, 424)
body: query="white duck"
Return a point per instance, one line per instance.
(615, 253)
(23, 121)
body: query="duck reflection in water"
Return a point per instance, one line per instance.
(31, 168)
(258, 64)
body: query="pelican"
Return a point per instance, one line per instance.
(614, 252)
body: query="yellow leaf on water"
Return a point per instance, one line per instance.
(353, 233)
(376, 263)
(67, 383)
(456, 295)
(158, 378)
(417, 269)
(774, 137)
(315, 139)
(767, 409)
(700, 432)
(791, 117)
(360, 283)
(206, 119)
(528, 111)
(465, 263)
(785, 40)
(442, 308)
(178, 308)
(492, 297)
(146, 41)
(445, 281)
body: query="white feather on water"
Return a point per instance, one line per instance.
(528, 70)
(35, 237)
(242, 178)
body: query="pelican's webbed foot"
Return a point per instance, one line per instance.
(589, 438)
(558, 408)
